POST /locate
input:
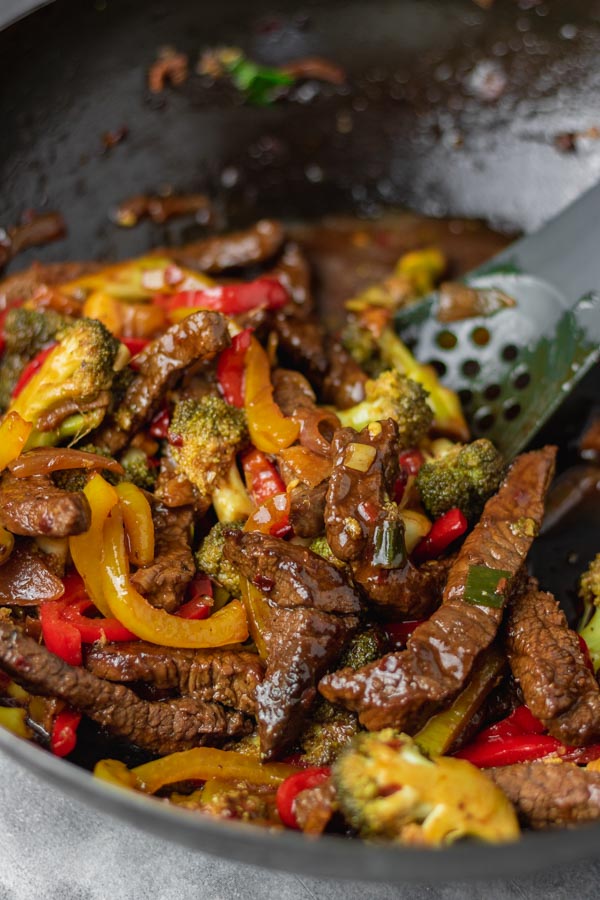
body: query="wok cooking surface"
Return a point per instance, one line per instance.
(415, 126)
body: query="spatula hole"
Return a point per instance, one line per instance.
(484, 420)
(471, 368)
(439, 366)
(466, 397)
(492, 392)
(509, 352)
(511, 411)
(522, 380)
(446, 340)
(480, 336)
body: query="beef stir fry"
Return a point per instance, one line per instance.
(267, 560)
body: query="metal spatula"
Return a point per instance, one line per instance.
(514, 368)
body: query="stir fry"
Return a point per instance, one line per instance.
(261, 570)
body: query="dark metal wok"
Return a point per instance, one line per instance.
(413, 128)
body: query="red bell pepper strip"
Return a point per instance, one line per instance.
(196, 606)
(289, 789)
(581, 755)
(230, 368)
(159, 426)
(586, 653)
(514, 748)
(92, 630)
(135, 346)
(399, 632)
(64, 732)
(231, 299)
(262, 478)
(520, 721)
(65, 627)
(410, 463)
(60, 637)
(444, 531)
(31, 368)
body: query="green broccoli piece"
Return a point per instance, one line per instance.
(138, 470)
(394, 396)
(365, 647)
(321, 547)
(387, 788)
(26, 332)
(209, 558)
(361, 344)
(465, 476)
(589, 591)
(68, 396)
(76, 479)
(205, 436)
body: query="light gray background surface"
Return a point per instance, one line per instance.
(53, 848)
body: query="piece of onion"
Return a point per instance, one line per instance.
(44, 460)
(359, 457)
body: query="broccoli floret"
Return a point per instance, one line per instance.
(320, 546)
(205, 436)
(26, 332)
(392, 396)
(76, 479)
(365, 647)
(138, 470)
(69, 394)
(361, 344)
(589, 591)
(387, 788)
(465, 476)
(329, 731)
(209, 559)
(447, 412)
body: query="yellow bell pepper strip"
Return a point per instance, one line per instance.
(258, 612)
(14, 719)
(273, 517)
(139, 527)
(137, 279)
(14, 432)
(199, 764)
(439, 733)
(423, 268)
(269, 429)
(228, 626)
(85, 548)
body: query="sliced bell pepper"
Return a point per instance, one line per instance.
(306, 465)
(64, 732)
(269, 429)
(75, 602)
(199, 604)
(199, 764)
(399, 632)
(262, 478)
(273, 517)
(289, 789)
(227, 626)
(444, 531)
(515, 748)
(139, 526)
(60, 637)
(230, 299)
(258, 612)
(85, 547)
(14, 718)
(31, 368)
(230, 368)
(14, 432)
(135, 345)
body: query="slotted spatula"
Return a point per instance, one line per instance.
(514, 368)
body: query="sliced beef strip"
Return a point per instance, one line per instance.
(26, 580)
(293, 271)
(291, 391)
(550, 795)
(344, 384)
(235, 250)
(199, 337)
(23, 285)
(546, 659)
(34, 506)
(165, 726)
(314, 612)
(402, 690)
(224, 676)
(307, 510)
(407, 592)
(173, 489)
(165, 580)
(315, 807)
(302, 346)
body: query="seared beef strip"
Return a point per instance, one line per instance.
(313, 613)
(547, 661)
(344, 384)
(231, 251)
(26, 579)
(163, 726)
(23, 285)
(165, 580)
(293, 272)
(302, 346)
(35, 506)
(173, 489)
(406, 592)
(292, 391)
(200, 336)
(224, 676)
(550, 795)
(307, 510)
(402, 690)
(315, 807)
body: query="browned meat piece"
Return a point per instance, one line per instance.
(35, 506)
(234, 250)
(173, 489)
(302, 346)
(291, 391)
(315, 807)
(38, 229)
(402, 690)
(23, 285)
(547, 661)
(165, 580)
(589, 442)
(313, 614)
(293, 272)
(344, 384)
(550, 795)
(199, 337)
(307, 510)
(161, 209)
(225, 676)
(165, 726)
(406, 592)
(26, 580)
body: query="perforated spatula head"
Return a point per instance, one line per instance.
(514, 368)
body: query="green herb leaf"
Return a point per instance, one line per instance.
(486, 587)
(259, 83)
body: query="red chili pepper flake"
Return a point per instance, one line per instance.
(64, 732)
(411, 461)
(176, 440)
(399, 632)
(289, 789)
(159, 426)
(263, 583)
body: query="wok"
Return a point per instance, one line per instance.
(413, 129)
